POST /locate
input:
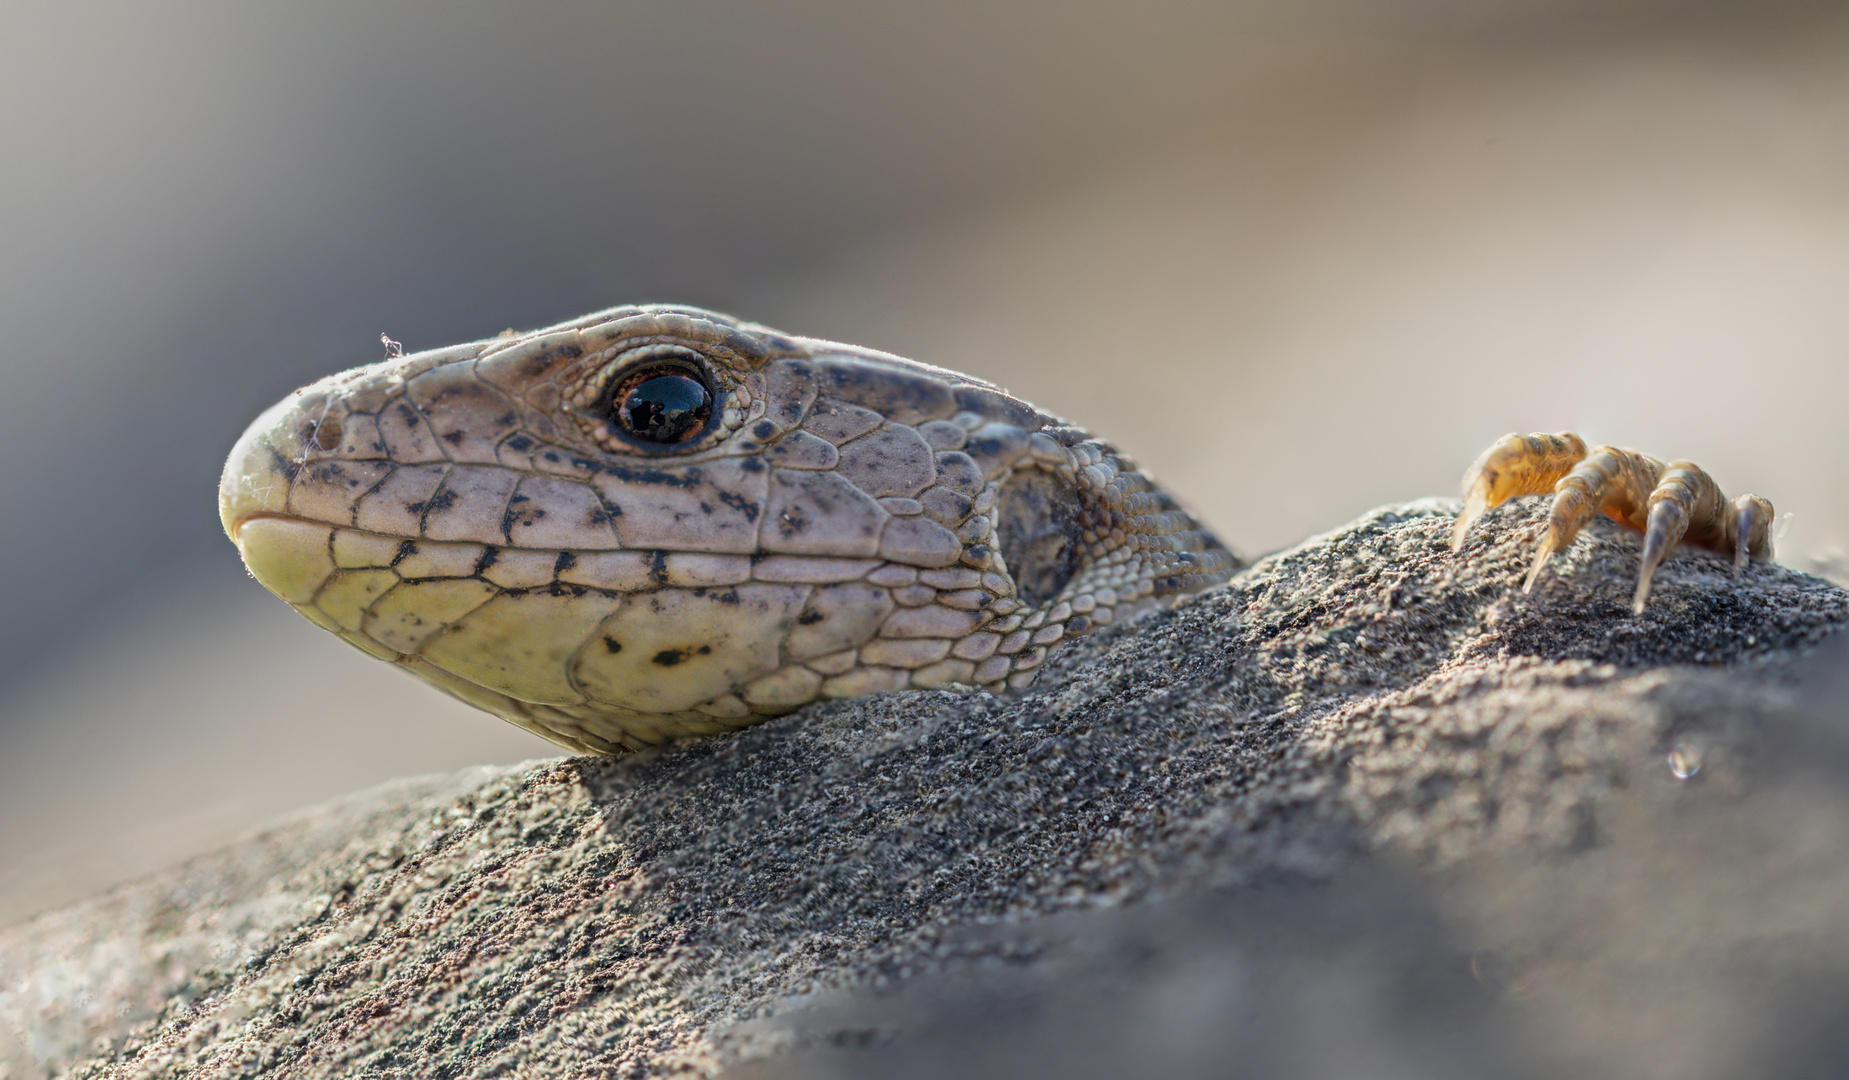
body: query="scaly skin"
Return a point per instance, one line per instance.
(843, 522)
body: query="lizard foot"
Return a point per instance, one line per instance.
(1669, 504)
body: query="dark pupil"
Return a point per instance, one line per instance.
(664, 408)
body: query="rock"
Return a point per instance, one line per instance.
(1367, 803)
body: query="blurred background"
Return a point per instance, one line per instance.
(1302, 257)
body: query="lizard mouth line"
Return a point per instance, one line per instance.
(238, 524)
(299, 559)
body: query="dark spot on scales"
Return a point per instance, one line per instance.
(330, 473)
(690, 478)
(669, 657)
(406, 549)
(612, 645)
(564, 562)
(455, 438)
(489, 556)
(985, 447)
(517, 513)
(288, 467)
(658, 477)
(521, 443)
(741, 504)
(810, 618)
(658, 567)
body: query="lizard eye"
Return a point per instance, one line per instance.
(662, 403)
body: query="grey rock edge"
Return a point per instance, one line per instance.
(1365, 810)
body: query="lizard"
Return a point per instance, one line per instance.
(657, 521)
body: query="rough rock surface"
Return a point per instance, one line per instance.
(1367, 803)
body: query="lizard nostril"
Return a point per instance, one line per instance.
(326, 435)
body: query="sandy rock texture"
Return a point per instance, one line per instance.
(1365, 808)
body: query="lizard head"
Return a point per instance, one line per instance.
(658, 521)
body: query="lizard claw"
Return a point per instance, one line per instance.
(1752, 528)
(1514, 465)
(1542, 553)
(1669, 504)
